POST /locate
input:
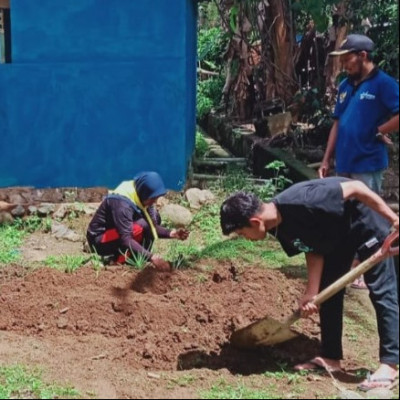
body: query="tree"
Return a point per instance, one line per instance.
(264, 62)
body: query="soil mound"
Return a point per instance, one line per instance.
(177, 320)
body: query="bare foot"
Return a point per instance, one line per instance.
(319, 363)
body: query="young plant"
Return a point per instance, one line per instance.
(96, 260)
(279, 180)
(135, 260)
(66, 263)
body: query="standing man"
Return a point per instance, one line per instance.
(330, 220)
(367, 110)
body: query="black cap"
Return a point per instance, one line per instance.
(354, 43)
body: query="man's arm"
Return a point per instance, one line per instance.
(315, 265)
(330, 148)
(359, 191)
(388, 127)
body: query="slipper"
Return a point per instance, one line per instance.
(314, 365)
(374, 383)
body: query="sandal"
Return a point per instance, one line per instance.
(374, 383)
(315, 364)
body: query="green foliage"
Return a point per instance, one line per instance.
(10, 241)
(385, 20)
(210, 46)
(209, 93)
(222, 390)
(383, 15)
(96, 260)
(233, 22)
(33, 223)
(237, 179)
(207, 242)
(318, 11)
(67, 263)
(11, 236)
(136, 260)
(313, 108)
(208, 14)
(201, 148)
(17, 382)
(278, 182)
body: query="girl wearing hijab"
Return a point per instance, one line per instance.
(127, 221)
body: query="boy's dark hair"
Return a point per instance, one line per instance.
(237, 210)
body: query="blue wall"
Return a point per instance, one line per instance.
(97, 91)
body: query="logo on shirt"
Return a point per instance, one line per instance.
(342, 97)
(367, 96)
(299, 245)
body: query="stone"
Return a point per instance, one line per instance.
(349, 394)
(380, 393)
(16, 199)
(46, 209)
(178, 216)
(274, 124)
(6, 218)
(18, 211)
(197, 197)
(61, 211)
(32, 210)
(60, 231)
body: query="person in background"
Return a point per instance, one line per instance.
(366, 112)
(330, 220)
(127, 221)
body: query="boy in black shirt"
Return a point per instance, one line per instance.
(329, 220)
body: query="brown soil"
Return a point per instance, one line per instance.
(160, 321)
(119, 333)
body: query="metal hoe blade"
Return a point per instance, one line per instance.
(266, 332)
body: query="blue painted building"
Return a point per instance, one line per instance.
(97, 90)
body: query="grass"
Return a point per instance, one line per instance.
(207, 241)
(266, 253)
(66, 263)
(222, 390)
(182, 381)
(33, 223)
(12, 236)
(11, 239)
(19, 382)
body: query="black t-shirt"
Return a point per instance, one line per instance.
(316, 218)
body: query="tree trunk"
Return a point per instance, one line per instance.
(337, 33)
(279, 50)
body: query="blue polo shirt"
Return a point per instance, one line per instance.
(360, 110)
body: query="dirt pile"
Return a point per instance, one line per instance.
(169, 321)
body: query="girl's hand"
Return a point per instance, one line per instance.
(160, 264)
